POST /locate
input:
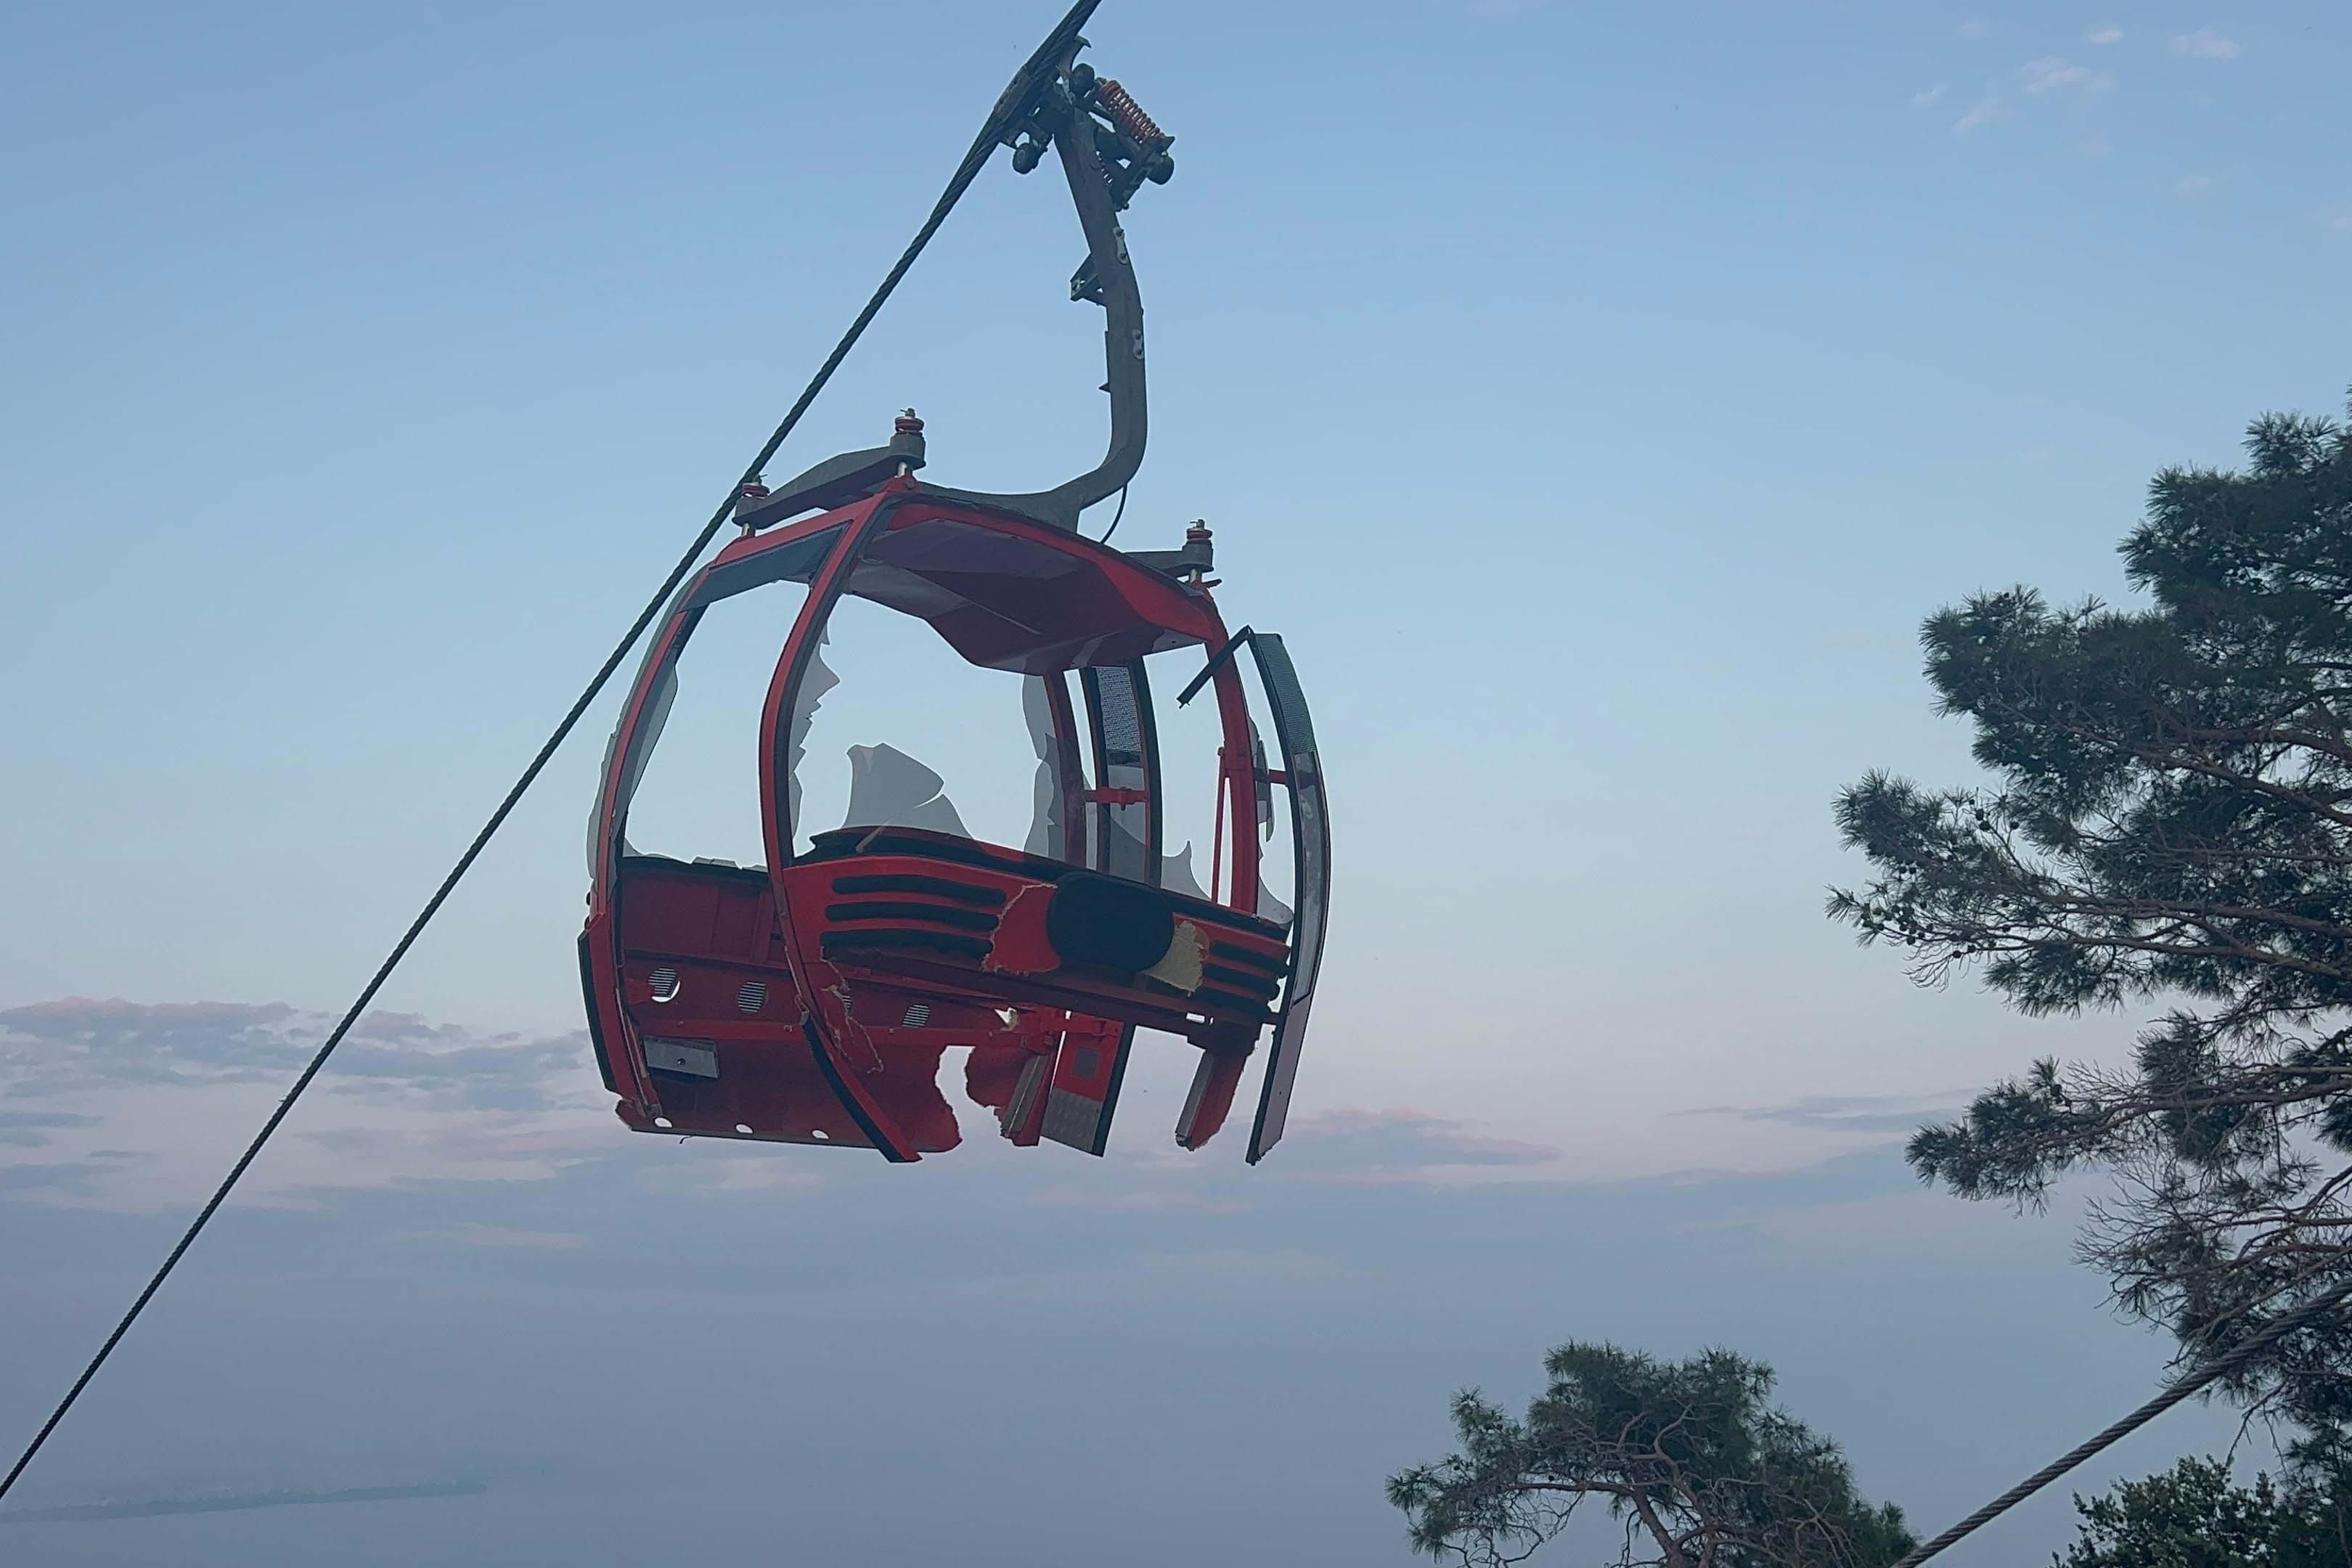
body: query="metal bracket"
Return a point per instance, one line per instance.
(836, 482)
(1109, 148)
(1197, 558)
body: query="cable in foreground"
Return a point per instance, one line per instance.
(999, 120)
(2193, 1383)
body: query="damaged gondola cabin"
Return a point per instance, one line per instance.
(813, 999)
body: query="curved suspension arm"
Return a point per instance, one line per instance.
(1113, 275)
(1104, 162)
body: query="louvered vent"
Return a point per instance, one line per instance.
(753, 997)
(918, 1015)
(664, 984)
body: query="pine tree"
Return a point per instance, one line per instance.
(2194, 1516)
(2169, 823)
(1690, 1458)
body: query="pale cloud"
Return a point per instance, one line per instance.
(502, 1237)
(55, 1044)
(407, 1104)
(2192, 185)
(2094, 146)
(403, 1103)
(2340, 223)
(1971, 29)
(2051, 74)
(2110, 34)
(2205, 44)
(34, 1128)
(1402, 1145)
(55, 1047)
(1879, 1118)
(1921, 100)
(69, 1179)
(138, 1109)
(1982, 111)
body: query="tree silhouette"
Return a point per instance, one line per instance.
(1690, 1458)
(2170, 816)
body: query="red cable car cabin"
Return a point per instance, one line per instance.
(812, 1000)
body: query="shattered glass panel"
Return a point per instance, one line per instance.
(650, 732)
(1264, 784)
(690, 784)
(887, 788)
(815, 681)
(911, 735)
(1176, 874)
(1049, 813)
(1117, 848)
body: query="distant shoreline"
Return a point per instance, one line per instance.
(83, 1513)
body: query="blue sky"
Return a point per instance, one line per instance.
(1597, 397)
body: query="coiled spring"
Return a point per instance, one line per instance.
(1126, 113)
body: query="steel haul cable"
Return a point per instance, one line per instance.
(2193, 1383)
(982, 147)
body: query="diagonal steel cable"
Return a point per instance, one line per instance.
(2193, 1383)
(999, 120)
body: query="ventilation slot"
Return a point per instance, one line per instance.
(918, 1015)
(664, 982)
(753, 997)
